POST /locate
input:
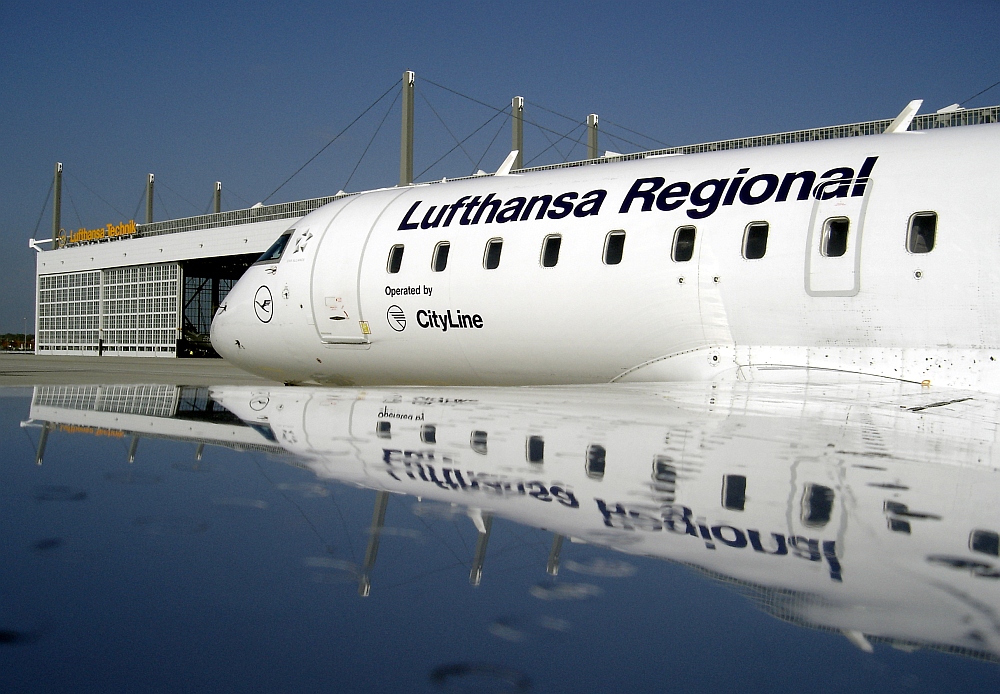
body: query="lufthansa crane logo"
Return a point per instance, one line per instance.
(262, 305)
(396, 318)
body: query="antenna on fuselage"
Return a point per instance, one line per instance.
(901, 122)
(508, 164)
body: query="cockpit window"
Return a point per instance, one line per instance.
(273, 254)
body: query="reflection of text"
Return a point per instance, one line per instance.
(96, 431)
(679, 520)
(426, 466)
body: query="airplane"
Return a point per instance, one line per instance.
(855, 258)
(861, 509)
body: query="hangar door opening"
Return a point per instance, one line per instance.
(207, 281)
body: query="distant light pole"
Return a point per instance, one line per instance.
(24, 343)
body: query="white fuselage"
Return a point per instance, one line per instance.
(330, 310)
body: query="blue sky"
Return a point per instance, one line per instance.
(246, 92)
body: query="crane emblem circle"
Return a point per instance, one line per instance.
(396, 318)
(263, 306)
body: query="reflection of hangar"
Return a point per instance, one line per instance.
(180, 413)
(152, 289)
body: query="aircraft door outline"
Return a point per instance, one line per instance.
(831, 274)
(335, 284)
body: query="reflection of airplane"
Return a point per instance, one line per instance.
(866, 510)
(863, 255)
(876, 520)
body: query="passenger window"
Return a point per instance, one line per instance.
(395, 259)
(755, 240)
(734, 492)
(920, 237)
(550, 250)
(428, 433)
(477, 441)
(817, 505)
(985, 542)
(664, 476)
(683, 248)
(596, 461)
(835, 233)
(384, 429)
(491, 259)
(614, 247)
(440, 260)
(535, 449)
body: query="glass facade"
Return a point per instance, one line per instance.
(127, 310)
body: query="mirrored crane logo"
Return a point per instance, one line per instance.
(396, 318)
(262, 305)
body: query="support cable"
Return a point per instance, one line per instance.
(138, 204)
(335, 138)
(483, 103)
(447, 128)
(41, 213)
(76, 211)
(227, 189)
(374, 135)
(605, 121)
(573, 148)
(553, 145)
(80, 181)
(613, 140)
(161, 183)
(498, 113)
(156, 192)
(979, 93)
(490, 145)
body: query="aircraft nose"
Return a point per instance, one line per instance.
(221, 332)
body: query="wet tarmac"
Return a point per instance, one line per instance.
(29, 370)
(240, 536)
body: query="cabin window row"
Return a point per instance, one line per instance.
(920, 237)
(614, 251)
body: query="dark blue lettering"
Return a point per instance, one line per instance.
(733, 187)
(747, 196)
(565, 207)
(405, 225)
(490, 202)
(427, 223)
(758, 547)
(590, 206)
(863, 174)
(473, 204)
(739, 540)
(711, 203)
(546, 200)
(642, 188)
(804, 547)
(454, 208)
(511, 211)
(679, 190)
(807, 179)
(564, 497)
(830, 552)
(841, 184)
